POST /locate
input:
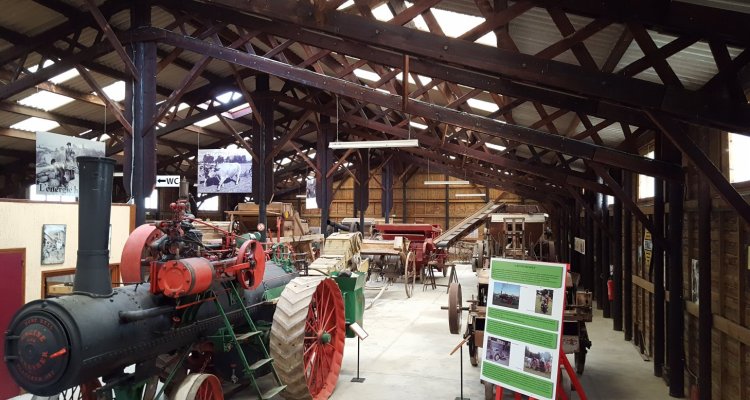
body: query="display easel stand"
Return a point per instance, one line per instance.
(460, 347)
(357, 379)
(564, 363)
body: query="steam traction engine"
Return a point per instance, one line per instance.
(193, 319)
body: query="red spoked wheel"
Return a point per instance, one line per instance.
(307, 337)
(200, 387)
(138, 253)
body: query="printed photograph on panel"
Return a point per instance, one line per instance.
(56, 167)
(538, 361)
(506, 295)
(498, 350)
(224, 171)
(543, 302)
(53, 244)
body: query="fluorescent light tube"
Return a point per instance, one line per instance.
(446, 182)
(470, 194)
(374, 144)
(301, 196)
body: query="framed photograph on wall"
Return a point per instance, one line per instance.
(53, 244)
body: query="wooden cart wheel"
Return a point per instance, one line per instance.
(454, 308)
(307, 337)
(410, 274)
(200, 387)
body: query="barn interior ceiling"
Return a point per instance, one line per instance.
(535, 97)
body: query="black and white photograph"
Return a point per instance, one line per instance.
(224, 171)
(498, 350)
(56, 167)
(53, 244)
(311, 201)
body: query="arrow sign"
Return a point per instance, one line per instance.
(167, 181)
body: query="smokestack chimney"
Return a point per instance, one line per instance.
(94, 208)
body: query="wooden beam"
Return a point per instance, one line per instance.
(112, 38)
(686, 104)
(110, 104)
(678, 135)
(431, 111)
(436, 69)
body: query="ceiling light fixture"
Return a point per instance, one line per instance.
(446, 182)
(369, 144)
(301, 196)
(470, 195)
(374, 144)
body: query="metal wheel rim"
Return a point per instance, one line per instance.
(324, 316)
(454, 308)
(136, 251)
(200, 387)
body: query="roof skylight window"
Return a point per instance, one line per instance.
(208, 121)
(45, 100)
(115, 91)
(35, 124)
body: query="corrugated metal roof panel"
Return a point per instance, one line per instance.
(27, 17)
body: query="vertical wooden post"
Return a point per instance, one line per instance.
(605, 242)
(140, 99)
(386, 200)
(617, 257)
(262, 145)
(447, 206)
(588, 270)
(598, 240)
(324, 161)
(627, 270)
(675, 324)
(705, 317)
(657, 271)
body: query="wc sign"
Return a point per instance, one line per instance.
(167, 181)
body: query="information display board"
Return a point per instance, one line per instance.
(524, 325)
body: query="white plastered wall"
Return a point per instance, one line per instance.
(21, 227)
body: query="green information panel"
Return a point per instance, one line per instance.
(523, 327)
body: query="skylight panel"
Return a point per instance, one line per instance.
(208, 121)
(45, 100)
(225, 98)
(35, 67)
(382, 13)
(67, 75)
(35, 124)
(455, 24)
(115, 91)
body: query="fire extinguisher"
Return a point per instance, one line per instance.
(610, 289)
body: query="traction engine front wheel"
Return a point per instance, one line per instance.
(307, 337)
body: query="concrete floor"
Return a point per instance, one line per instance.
(406, 355)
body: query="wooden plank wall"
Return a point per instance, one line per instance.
(425, 204)
(729, 280)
